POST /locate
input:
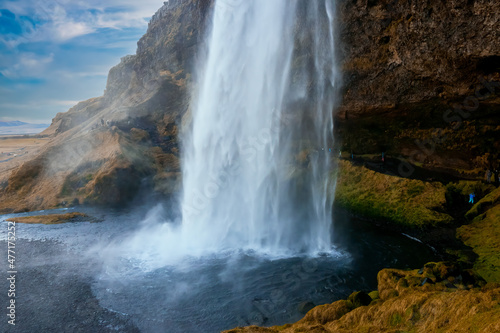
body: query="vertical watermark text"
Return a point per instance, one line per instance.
(11, 272)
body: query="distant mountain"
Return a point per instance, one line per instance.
(18, 127)
(12, 123)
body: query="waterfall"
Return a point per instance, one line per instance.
(256, 159)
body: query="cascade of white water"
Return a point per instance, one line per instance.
(256, 154)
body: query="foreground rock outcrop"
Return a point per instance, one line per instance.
(440, 297)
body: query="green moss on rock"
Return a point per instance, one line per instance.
(483, 235)
(407, 202)
(374, 295)
(359, 298)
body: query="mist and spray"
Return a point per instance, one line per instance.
(258, 143)
(257, 155)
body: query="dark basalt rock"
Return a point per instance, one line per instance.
(359, 298)
(305, 307)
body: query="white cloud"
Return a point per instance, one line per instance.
(74, 74)
(64, 103)
(59, 21)
(53, 24)
(42, 102)
(28, 65)
(59, 69)
(69, 30)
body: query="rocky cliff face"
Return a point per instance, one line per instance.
(105, 149)
(407, 60)
(421, 82)
(402, 52)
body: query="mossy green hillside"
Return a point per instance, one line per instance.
(483, 235)
(407, 202)
(490, 198)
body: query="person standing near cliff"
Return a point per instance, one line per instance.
(488, 176)
(471, 197)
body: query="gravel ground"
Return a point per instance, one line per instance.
(53, 293)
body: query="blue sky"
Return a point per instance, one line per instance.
(54, 53)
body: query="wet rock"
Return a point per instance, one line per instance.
(426, 280)
(450, 285)
(359, 298)
(305, 307)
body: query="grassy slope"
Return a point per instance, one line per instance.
(407, 202)
(483, 235)
(414, 203)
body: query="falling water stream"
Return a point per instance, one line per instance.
(255, 238)
(266, 96)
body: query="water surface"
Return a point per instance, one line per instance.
(67, 279)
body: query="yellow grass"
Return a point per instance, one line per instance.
(13, 144)
(51, 219)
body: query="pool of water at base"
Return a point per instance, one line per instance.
(64, 282)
